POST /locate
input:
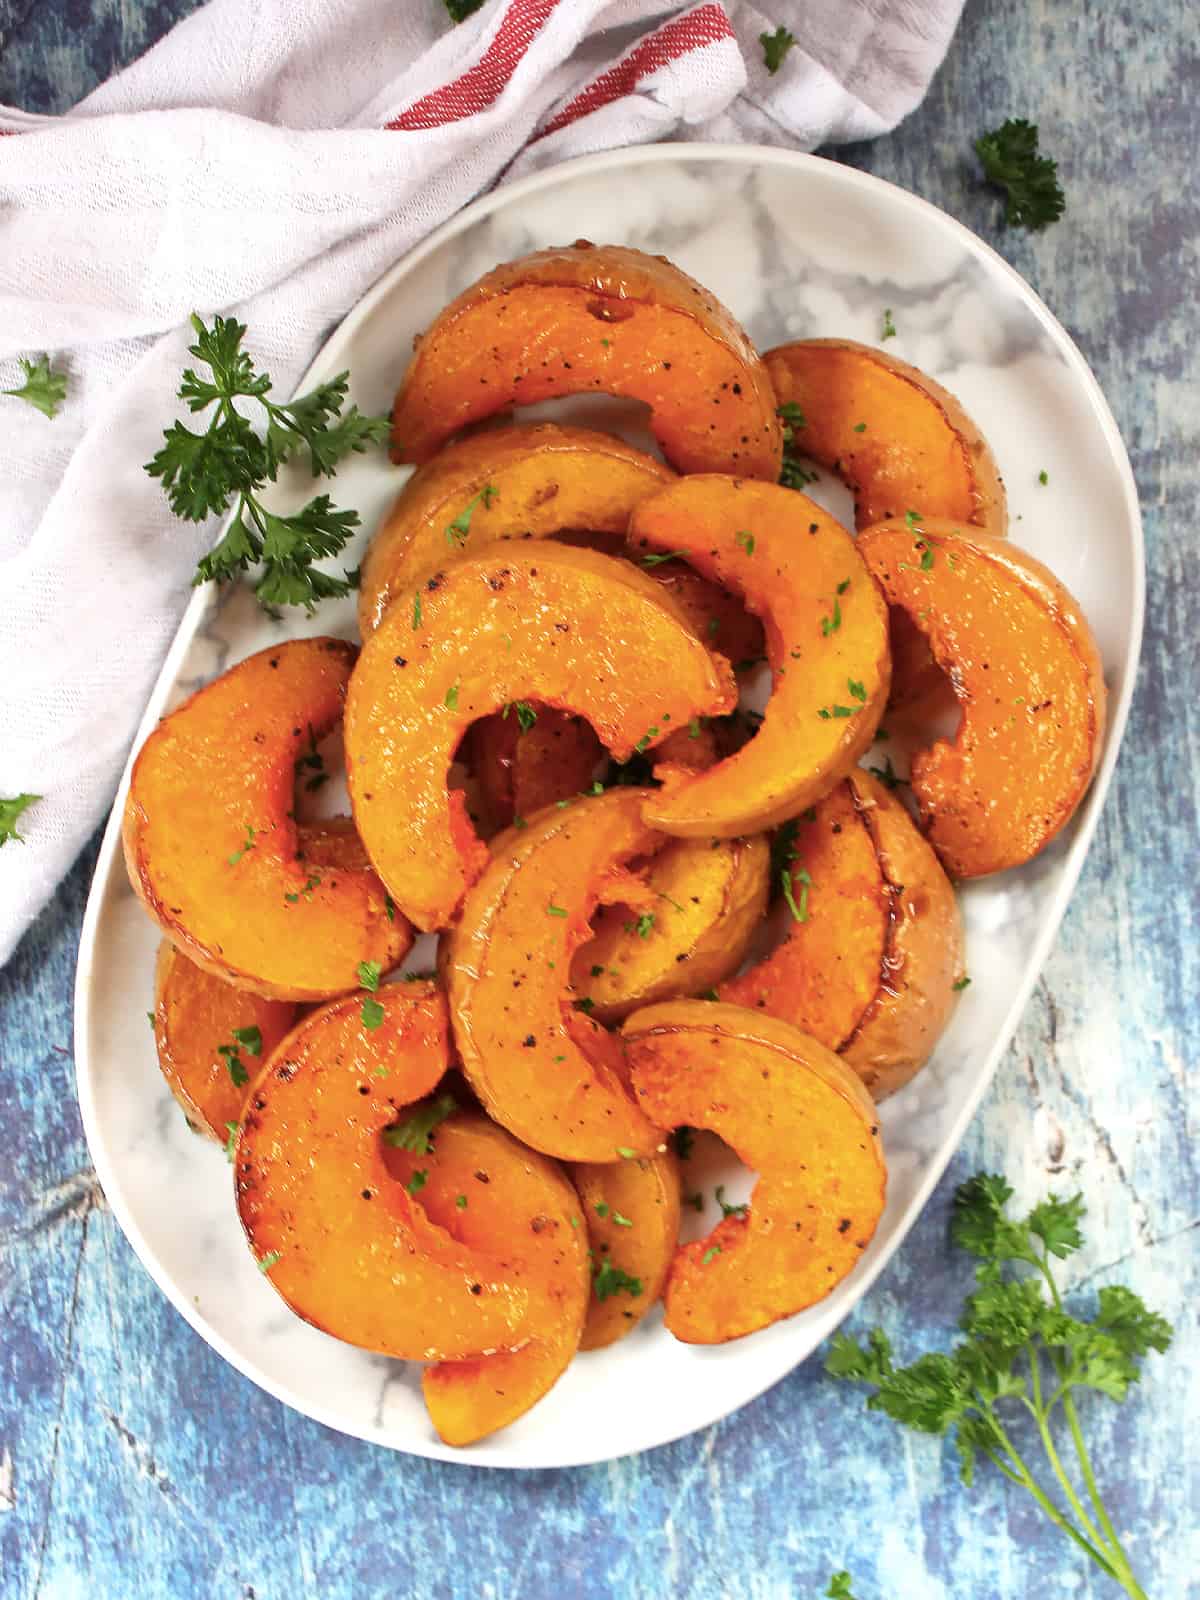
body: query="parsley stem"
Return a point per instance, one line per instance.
(1034, 1408)
(1101, 1558)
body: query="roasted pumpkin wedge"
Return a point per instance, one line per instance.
(900, 441)
(826, 641)
(564, 627)
(873, 945)
(527, 757)
(511, 483)
(541, 1066)
(798, 1117)
(212, 847)
(211, 1039)
(588, 320)
(632, 1213)
(494, 1196)
(704, 899)
(350, 1249)
(1029, 680)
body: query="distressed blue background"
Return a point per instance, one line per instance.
(134, 1461)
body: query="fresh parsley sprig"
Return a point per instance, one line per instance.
(1022, 1349)
(43, 389)
(1012, 162)
(204, 473)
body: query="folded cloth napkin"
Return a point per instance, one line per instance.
(270, 160)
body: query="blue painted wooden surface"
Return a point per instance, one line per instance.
(134, 1461)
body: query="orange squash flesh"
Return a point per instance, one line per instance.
(492, 1195)
(348, 1248)
(521, 482)
(632, 1214)
(798, 570)
(194, 1014)
(795, 1114)
(544, 1070)
(870, 971)
(520, 770)
(212, 848)
(1028, 676)
(564, 627)
(900, 441)
(606, 320)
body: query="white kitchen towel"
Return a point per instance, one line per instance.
(270, 158)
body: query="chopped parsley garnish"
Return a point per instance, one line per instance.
(368, 974)
(774, 47)
(728, 1210)
(1012, 162)
(460, 10)
(962, 983)
(696, 1201)
(250, 1039)
(389, 906)
(826, 712)
(644, 742)
(269, 1260)
(625, 1153)
(452, 697)
(418, 611)
(857, 690)
(831, 624)
(843, 586)
(251, 835)
(643, 927)
(312, 761)
(233, 1061)
(601, 1208)
(418, 1180)
(611, 1279)
(889, 327)
(694, 728)
(415, 1133)
(798, 908)
(622, 1221)
(667, 555)
(713, 1250)
(232, 1129)
(746, 540)
(587, 1004)
(526, 714)
(43, 389)
(912, 518)
(457, 531)
(461, 1202)
(886, 774)
(10, 810)
(372, 1014)
(1043, 477)
(860, 427)
(556, 911)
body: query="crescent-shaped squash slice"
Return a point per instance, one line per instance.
(565, 627)
(826, 640)
(702, 901)
(899, 440)
(527, 757)
(212, 847)
(493, 1195)
(588, 320)
(1028, 677)
(512, 483)
(795, 1114)
(874, 944)
(541, 1066)
(349, 1248)
(211, 1039)
(632, 1212)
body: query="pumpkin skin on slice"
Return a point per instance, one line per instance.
(607, 320)
(349, 1248)
(520, 770)
(799, 570)
(521, 482)
(194, 1014)
(870, 971)
(703, 906)
(212, 848)
(543, 1069)
(632, 1214)
(1028, 676)
(919, 450)
(800, 1118)
(564, 627)
(521, 1205)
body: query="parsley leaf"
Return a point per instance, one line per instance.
(839, 1587)
(1012, 162)
(889, 327)
(371, 1014)
(10, 810)
(43, 389)
(458, 530)
(526, 714)
(774, 47)
(205, 473)
(611, 1279)
(233, 1061)
(415, 1133)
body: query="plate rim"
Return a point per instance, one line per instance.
(748, 155)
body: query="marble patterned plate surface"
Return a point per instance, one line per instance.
(796, 247)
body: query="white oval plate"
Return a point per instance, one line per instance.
(796, 247)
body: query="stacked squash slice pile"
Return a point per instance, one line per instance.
(655, 912)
